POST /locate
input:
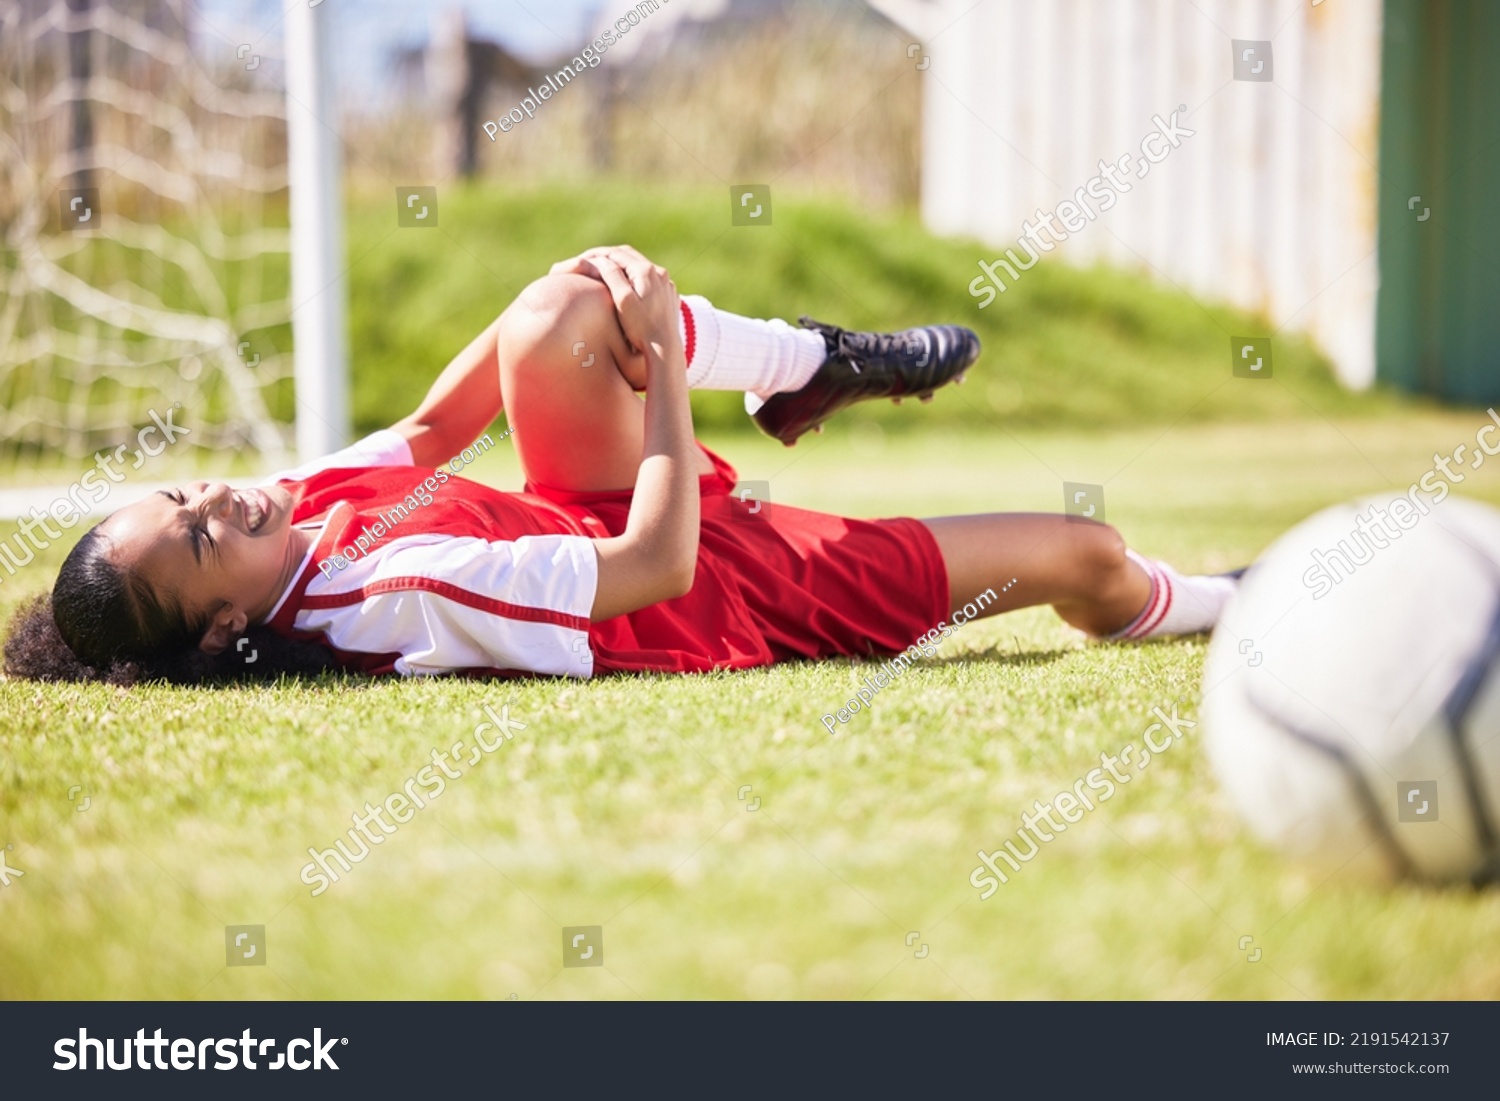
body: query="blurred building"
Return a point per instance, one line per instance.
(1335, 190)
(1270, 204)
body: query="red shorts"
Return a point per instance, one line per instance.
(774, 585)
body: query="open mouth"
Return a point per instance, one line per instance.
(255, 509)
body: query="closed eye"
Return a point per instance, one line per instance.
(195, 534)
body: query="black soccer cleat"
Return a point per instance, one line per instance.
(862, 366)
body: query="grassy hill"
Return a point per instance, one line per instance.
(1065, 346)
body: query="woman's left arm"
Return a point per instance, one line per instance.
(461, 404)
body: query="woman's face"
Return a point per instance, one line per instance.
(226, 554)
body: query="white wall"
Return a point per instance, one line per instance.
(1270, 205)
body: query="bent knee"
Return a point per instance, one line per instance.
(1102, 550)
(562, 299)
(560, 316)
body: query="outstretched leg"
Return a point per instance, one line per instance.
(1081, 568)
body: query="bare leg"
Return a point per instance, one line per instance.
(1080, 568)
(576, 427)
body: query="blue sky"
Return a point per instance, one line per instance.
(367, 31)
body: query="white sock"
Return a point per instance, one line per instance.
(1178, 605)
(729, 352)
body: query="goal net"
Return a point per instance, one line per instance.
(144, 216)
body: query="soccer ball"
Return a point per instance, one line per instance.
(1352, 697)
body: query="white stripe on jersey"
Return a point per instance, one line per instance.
(459, 602)
(387, 447)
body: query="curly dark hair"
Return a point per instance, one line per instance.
(103, 622)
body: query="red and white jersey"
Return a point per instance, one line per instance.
(417, 571)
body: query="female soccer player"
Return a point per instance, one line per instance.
(627, 549)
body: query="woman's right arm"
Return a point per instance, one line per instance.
(657, 555)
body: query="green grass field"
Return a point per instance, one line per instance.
(618, 805)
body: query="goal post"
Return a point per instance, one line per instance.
(319, 288)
